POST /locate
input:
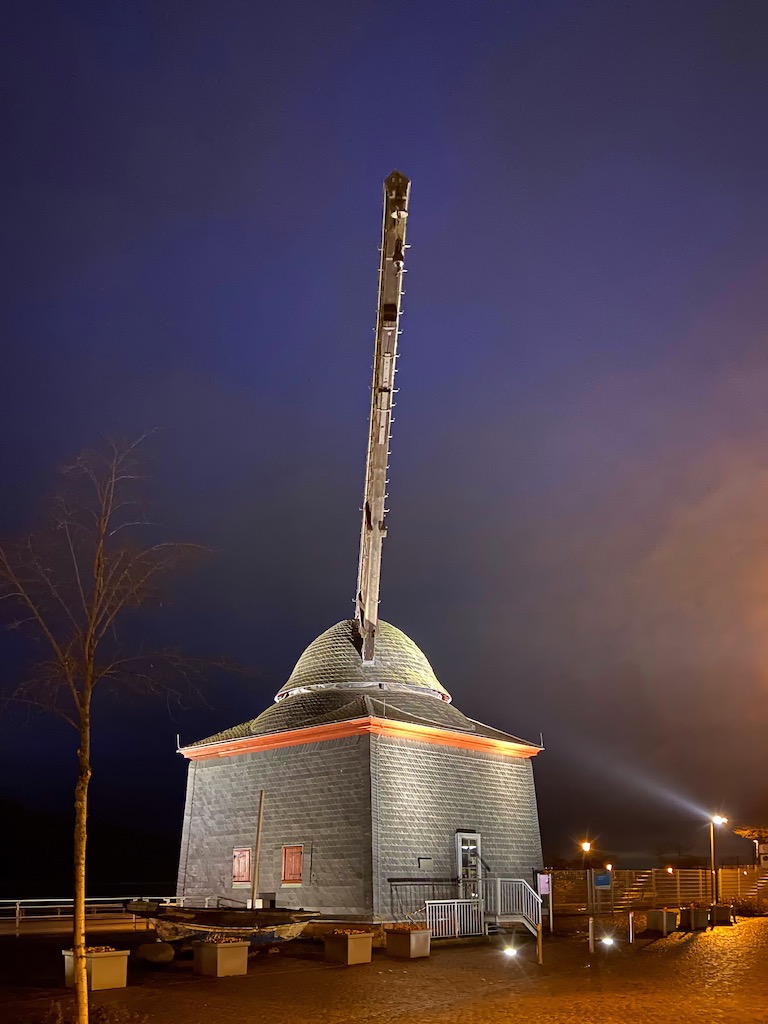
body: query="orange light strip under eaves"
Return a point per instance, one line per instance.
(361, 727)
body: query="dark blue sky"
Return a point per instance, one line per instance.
(579, 482)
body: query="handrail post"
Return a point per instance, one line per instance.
(551, 902)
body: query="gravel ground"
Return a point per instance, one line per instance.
(715, 976)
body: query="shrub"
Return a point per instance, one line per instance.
(755, 907)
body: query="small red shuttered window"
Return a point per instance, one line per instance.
(241, 864)
(293, 858)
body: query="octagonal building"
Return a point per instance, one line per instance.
(377, 791)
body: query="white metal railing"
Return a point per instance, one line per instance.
(515, 896)
(451, 919)
(47, 908)
(506, 898)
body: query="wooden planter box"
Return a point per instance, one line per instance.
(221, 959)
(349, 949)
(664, 921)
(693, 918)
(104, 970)
(410, 944)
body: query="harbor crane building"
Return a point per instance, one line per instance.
(362, 790)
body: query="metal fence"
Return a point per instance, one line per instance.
(743, 883)
(579, 892)
(50, 908)
(449, 919)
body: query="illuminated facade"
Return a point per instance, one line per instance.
(377, 790)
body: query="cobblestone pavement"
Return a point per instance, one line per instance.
(718, 976)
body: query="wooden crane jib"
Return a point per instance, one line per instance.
(391, 269)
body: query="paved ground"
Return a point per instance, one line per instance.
(719, 977)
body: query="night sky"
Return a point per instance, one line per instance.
(191, 204)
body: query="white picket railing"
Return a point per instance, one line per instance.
(451, 919)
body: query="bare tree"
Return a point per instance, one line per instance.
(71, 585)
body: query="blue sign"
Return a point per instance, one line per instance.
(603, 881)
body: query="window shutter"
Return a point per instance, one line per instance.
(293, 857)
(241, 864)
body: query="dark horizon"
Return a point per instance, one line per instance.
(192, 211)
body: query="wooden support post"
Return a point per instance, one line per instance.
(257, 852)
(540, 943)
(591, 935)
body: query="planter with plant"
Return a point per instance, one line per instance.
(221, 956)
(721, 913)
(408, 939)
(349, 946)
(693, 918)
(105, 967)
(664, 921)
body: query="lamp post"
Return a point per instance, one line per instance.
(586, 846)
(716, 819)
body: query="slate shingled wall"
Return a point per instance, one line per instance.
(365, 810)
(317, 795)
(424, 794)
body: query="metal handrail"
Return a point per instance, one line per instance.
(63, 906)
(505, 896)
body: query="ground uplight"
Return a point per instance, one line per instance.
(607, 940)
(510, 951)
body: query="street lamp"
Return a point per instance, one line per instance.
(716, 819)
(586, 846)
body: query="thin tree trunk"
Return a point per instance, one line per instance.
(81, 813)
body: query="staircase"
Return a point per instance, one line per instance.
(758, 891)
(487, 905)
(635, 893)
(509, 902)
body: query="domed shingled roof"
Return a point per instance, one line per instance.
(334, 661)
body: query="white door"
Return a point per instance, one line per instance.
(468, 861)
